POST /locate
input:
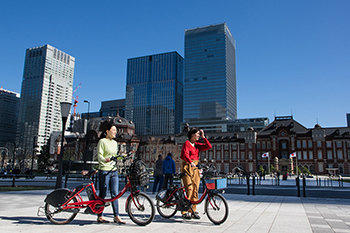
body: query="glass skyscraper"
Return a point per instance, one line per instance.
(47, 81)
(9, 103)
(210, 74)
(154, 93)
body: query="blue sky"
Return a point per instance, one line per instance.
(293, 56)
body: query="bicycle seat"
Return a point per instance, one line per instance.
(88, 173)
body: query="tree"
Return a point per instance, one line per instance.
(44, 158)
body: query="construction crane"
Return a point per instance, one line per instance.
(75, 99)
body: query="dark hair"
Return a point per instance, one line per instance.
(106, 125)
(193, 130)
(170, 154)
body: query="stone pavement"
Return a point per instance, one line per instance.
(275, 214)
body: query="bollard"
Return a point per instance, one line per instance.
(248, 191)
(298, 186)
(304, 186)
(13, 180)
(253, 187)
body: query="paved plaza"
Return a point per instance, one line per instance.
(248, 213)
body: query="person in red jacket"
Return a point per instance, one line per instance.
(190, 158)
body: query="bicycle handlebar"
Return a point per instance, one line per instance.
(128, 156)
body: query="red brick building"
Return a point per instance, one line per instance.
(320, 150)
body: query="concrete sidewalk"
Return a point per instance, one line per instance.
(275, 214)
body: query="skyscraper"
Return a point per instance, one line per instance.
(210, 74)
(47, 81)
(154, 93)
(9, 103)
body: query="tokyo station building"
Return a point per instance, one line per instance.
(320, 150)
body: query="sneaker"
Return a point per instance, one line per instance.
(186, 216)
(195, 215)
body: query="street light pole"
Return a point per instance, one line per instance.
(86, 135)
(65, 107)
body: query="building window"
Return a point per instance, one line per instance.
(268, 145)
(304, 143)
(234, 147)
(226, 146)
(329, 144)
(250, 154)
(263, 145)
(298, 144)
(218, 167)
(338, 144)
(218, 155)
(319, 154)
(310, 144)
(340, 154)
(227, 168)
(299, 154)
(250, 165)
(320, 167)
(210, 156)
(329, 154)
(258, 145)
(250, 145)
(226, 155)
(242, 146)
(242, 155)
(304, 154)
(318, 143)
(284, 145)
(234, 155)
(311, 155)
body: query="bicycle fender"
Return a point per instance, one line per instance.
(57, 197)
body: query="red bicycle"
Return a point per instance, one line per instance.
(62, 205)
(174, 199)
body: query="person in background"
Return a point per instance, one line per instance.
(168, 170)
(190, 158)
(158, 174)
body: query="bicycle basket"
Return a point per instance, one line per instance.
(216, 183)
(138, 175)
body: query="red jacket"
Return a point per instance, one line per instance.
(189, 152)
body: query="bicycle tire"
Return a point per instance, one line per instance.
(216, 208)
(166, 211)
(58, 216)
(141, 209)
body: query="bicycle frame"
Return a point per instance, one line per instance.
(206, 192)
(97, 205)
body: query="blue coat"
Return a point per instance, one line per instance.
(169, 165)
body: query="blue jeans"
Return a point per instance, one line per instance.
(158, 179)
(109, 179)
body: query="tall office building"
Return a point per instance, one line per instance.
(9, 103)
(154, 93)
(47, 81)
(210, 75)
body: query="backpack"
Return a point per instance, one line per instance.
(138, 175)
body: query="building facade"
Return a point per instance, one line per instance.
(109, 108)
(47, 81)
(154, 93)
(319, 150)
(210, 75)
(9, 104)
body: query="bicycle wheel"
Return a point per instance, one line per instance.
(216, 208)
(140, 209)
(58, 216)
(166, 211)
